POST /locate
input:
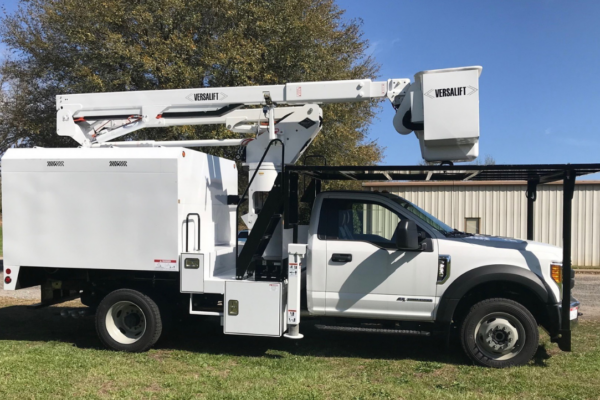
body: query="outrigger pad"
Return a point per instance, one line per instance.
(564, 342)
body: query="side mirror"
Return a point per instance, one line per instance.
(407, 236)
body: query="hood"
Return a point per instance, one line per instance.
(553, 252)
(496, 241)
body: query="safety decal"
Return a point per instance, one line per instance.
(292, 317)
(165, 264)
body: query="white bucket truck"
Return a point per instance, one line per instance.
(137, 229)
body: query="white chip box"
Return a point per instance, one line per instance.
(114, 208)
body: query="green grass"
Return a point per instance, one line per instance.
(43, 356)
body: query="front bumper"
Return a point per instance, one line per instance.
(574, 312)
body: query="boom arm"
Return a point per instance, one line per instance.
(440, 106)
(99, 117)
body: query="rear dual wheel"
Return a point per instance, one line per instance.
(128, 320)
(499, 333)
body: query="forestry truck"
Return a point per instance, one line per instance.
(139, 230)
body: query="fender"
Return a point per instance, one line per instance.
(489, 273)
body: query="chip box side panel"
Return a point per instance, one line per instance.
(90, 208)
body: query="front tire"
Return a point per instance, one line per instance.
(499, 333)
(128, 320)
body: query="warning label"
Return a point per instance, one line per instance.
(292, 317)
(165, 264)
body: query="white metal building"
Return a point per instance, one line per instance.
(500, 208)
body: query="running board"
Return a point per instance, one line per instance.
(357, 329)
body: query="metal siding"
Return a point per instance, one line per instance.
(502, 210)
(595, 234)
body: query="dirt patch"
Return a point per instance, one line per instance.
(10, 301)
(158, 355)
(32, 293)
(154, 388)
(106, 388)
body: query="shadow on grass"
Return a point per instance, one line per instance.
(540, 356)
(205, 335)
(46, 325)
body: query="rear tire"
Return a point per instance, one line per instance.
(499, 333)
(128, 320)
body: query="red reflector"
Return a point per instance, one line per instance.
(8, 271)
(7, 280)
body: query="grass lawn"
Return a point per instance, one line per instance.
(44, 356)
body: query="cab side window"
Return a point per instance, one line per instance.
(358, 220)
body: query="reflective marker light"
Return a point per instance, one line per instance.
(556, 273)
(7, 280)
(441, 270)
(8, 271)
(192, 263)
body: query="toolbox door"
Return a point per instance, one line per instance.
(192, 273)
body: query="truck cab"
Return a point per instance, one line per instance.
(378, 256)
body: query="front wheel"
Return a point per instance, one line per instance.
(499, 333)
(128, 320)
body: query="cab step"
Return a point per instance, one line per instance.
(360, 329)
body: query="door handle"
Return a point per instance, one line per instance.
(341, 257)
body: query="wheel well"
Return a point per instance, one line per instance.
(508, 290)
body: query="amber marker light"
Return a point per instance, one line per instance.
(556, 273)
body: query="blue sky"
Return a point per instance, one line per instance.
(540, 86)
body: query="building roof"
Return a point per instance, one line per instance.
(464, 183)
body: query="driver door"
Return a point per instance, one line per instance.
(367, 276)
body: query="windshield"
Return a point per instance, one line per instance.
(422, 214)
